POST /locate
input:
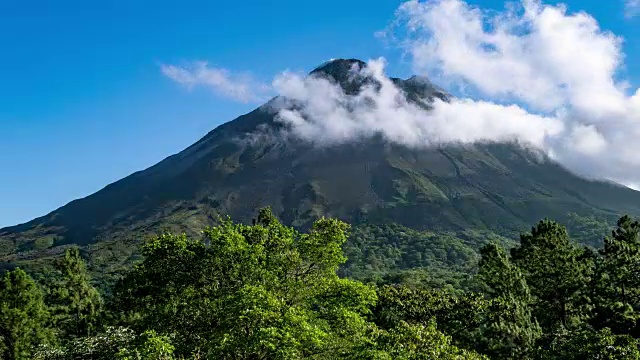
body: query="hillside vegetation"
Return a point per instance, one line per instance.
(268, 291)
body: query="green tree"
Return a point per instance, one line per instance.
(75, 303)
(413, 342)
(114, 343)
(557, 272)
(617, 298)
(261, 291)
(509, 330)
(149, 346)
(23, 316)
(456, 316)
(585, 343)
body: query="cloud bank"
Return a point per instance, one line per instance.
(325, 114)
(539, 74)
(239, 87)
(556, 71)
(545, 58)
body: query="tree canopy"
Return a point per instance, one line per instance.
(268, 291)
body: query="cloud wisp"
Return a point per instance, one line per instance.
(239, 87)
(631, 8)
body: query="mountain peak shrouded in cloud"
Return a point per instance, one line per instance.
(375, 147)
(411, 112)
(421, 87)
(349, 74)
(352, 75)
(535, 73)
(390, 150)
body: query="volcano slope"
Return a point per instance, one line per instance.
(486, 190)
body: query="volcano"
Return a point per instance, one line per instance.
(236, 169)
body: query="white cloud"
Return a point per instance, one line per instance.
(328, 115)
(558, 70)
(631, 8)
(534, 53)
(240, 87)
(544, 57)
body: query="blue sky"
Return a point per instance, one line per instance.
(83, 101)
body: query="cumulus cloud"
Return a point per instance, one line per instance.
(239, 87)
(632, 8)
(535, 53)
(542, 75)
(325, 114)
(541, 56)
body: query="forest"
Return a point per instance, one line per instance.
(269, 291)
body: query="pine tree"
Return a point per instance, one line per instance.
(618, 281)
(509, 330)
(74, 301)
(557, 272)
(23, 316)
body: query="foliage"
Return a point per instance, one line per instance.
(23, 316)
(415, 342)
(114, 343)
(149, 346)
(75, 303)
(588, 344)
(457, 316)
(509, 330)
(617, 281)
(575, 294)
(589, 230)
(103, 346)
(393, 254)
(245, 291)
(268, 291)
(557, 271)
